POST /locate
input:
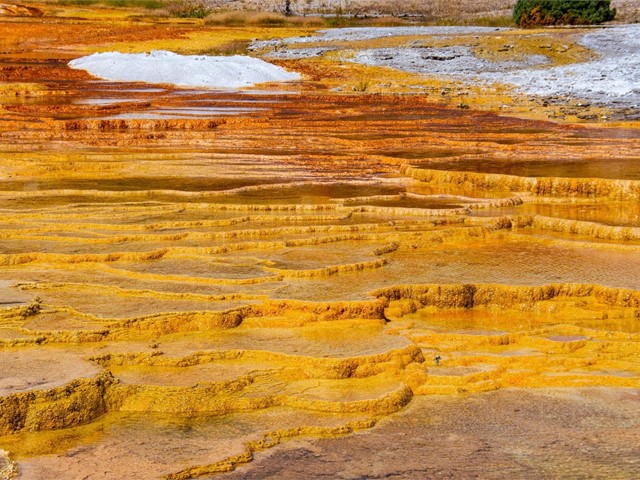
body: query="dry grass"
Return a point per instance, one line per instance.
(263, 19)
(440, 12)
(431, 10)
(628, 11)
(272, 19)
(234, 47)
(342, 12)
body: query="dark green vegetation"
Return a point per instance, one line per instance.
(530, 13)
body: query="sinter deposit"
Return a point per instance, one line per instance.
(184, 70)
(610, 78)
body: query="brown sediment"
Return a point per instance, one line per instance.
(532, 432)
(269, 440)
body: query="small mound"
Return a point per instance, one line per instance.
(182, 70)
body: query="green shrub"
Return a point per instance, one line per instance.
(531, 13)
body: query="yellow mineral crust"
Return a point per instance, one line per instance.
(550, 187)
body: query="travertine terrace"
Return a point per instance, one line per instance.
(362, 274)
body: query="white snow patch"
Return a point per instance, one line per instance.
(183, 70)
